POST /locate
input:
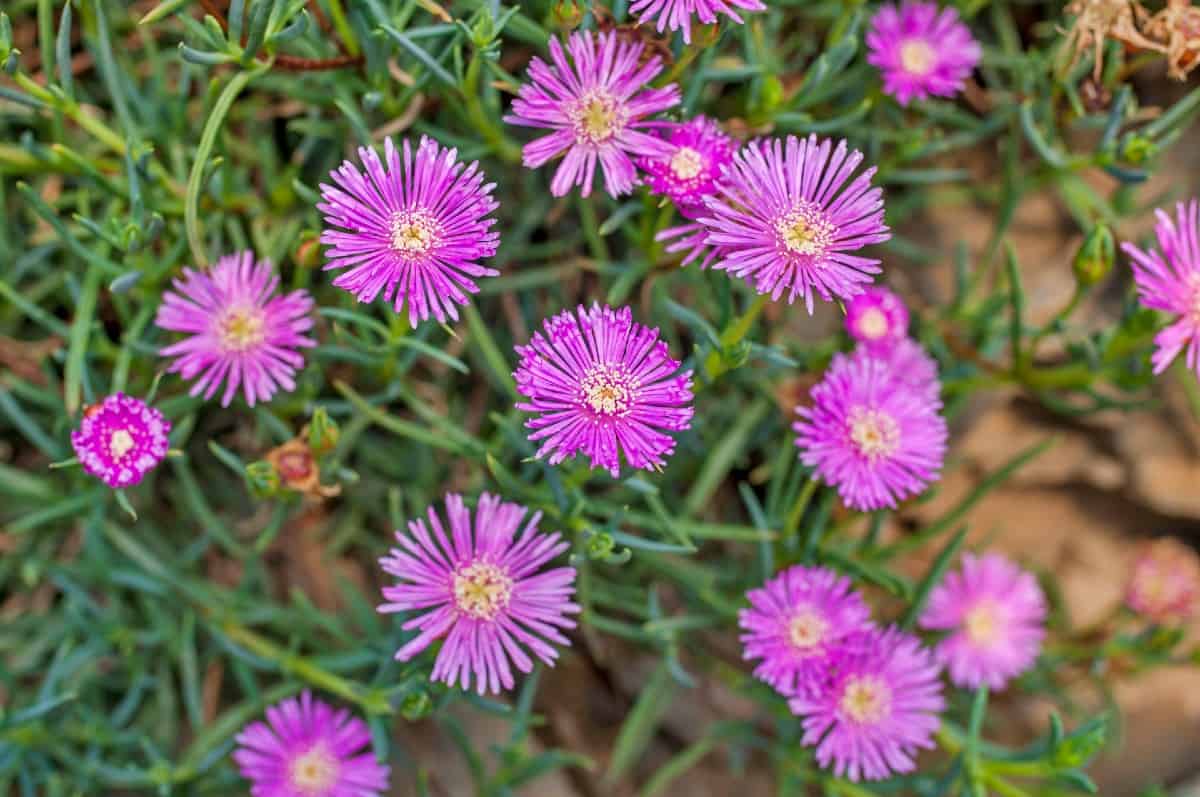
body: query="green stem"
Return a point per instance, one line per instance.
(493, 133)
(802, 501)
(716, 362)
(1062, 315)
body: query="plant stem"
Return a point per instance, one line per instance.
(715, 363)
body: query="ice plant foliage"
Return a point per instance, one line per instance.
(788, 215)
(677, 14)
(239, 329)
(1168, 279)
(594, 97)
(413, 228)
(877, 319)
(120, 440)
(921, 50)
(1165, 581)
(798, 625)
(603, 385)
(306, 748)
(481, 586)
(879, 708)
(995, 614)
(870, 434)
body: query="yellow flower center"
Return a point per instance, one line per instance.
(805, 231)
(865, 699)
(807, 629)
(120, 443)
(597, 118)
(686, 163)
(917, 57)
(413, 232)
(482, 590)
(875, 433)
(873, 323)
(608, 390)
(315, 772)
(242, 329)
(982, 624)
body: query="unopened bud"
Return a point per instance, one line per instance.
(262, 479)
(323, 433)
(1094, 260)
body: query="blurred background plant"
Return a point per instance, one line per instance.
(137, 138)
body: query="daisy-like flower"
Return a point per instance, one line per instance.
(677, 14)
(412, 227)
(909, 363)
(306, 748)
(875, 438)
(602, 384)
(239, 329)
(797, 624)
(1169, 280)
(699, 152)
(921, 50)
(480, 588)
(595, 102)
(878, 709)
(996, 615)
(877, 319)
(1165, 581)
(120, 440)
(786, 219)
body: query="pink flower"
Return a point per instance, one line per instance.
(677, 14)
(877, 319)
(921, 51)
(700, 151)
(1164, 582)
(595, 103)
(120, 440)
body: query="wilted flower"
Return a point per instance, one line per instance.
(1170, 281)
(677, 14)
(1164, 582)
(298, 469)
(120, 440)
(879, 708)
(412, 228)
(480, 588)
(239, 330)
(921, 50)
(786, 219)
(595, 102)
(603, 385)
(798, 624)
(877, 319)
(871, 435)
(308, 749)
(996, 615)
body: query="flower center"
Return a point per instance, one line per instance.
(865, 699)
(608, 390)
(873, 324)
(686, 163)
(807, 629)
(597, 118)
(482, 590)
(120, 443)
(414, 232)
(315, 772)
(917, 57)
(805, 231)
(983, 624)
(875, 433)
(242, 329)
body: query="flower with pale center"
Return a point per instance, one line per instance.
(241, 329)
(314, 772)
(482, 590)
(686, 163)
(414, 232)
(873, 324)
(805, 231)
(807, 629)
(982, 624)
(875, 433)
(865, 699)
(597, 118)
(608, 390)
(917, 57)
(120, 443)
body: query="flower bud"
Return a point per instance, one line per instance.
(323, 433)
(262, 479)
(1094, 260)
(416, 706)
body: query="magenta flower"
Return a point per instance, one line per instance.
(120, 440)
(1164, 582)
(995, 613)
(691, 171)
(877, 319)
(594, 103)
(875, 438)
(603, 385)
(239, 331)
(308, 749)
(691, 238)
(412, 229)
(798, 623)
(480, 589)
(910, 364)
(879, 708)
(1170, 281)
(677, 14)
(921, 51)
(786, 219)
